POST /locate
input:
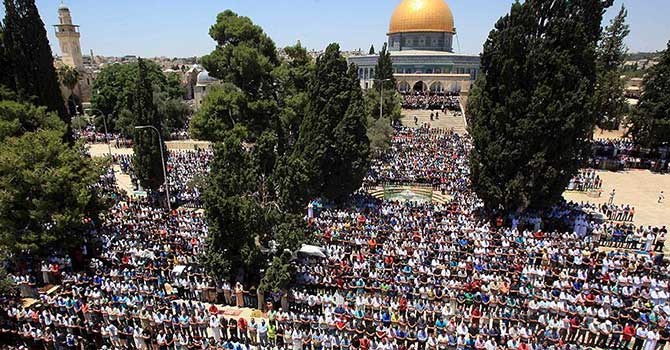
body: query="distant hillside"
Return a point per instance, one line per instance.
(642, 55)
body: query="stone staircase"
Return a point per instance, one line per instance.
(449, 121)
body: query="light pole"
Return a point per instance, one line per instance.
(160, 145)
(381, 96)
(104, 122)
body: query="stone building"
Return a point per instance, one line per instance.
(420, 40)
(68, 39)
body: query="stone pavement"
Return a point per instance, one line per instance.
(449, 121)
(639, 188)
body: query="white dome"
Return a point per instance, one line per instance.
(204, 78)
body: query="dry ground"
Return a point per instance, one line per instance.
(639, 188)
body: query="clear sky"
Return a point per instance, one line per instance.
(180, 27)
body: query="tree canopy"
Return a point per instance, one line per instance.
(114, 92)
(30, 60)
(532, 109)
(147, 160)
(245, 58)
(650, 123)
(335, 108)
(48, 198)
(611, 53)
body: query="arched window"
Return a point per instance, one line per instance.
(403, 86)
(436, 87)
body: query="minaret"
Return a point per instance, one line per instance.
(68, 38)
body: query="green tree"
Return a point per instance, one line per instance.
(18, 118)
(68, 76)
(32, 65)
(331, 92)
(48, 193)
(379, 130)
(372, 50)
(114, 91)
(147, 160)
(222, 109)
(246, 57)
(532, 108)
(235, 220)
(650, 122)
(379, 133)
(292, 79)
(6, 72)
(173, 112)
(352, 141)
(609, 95)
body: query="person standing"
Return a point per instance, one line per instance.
(612, 194)
(640, 338)
(652, 339)
(661, 197)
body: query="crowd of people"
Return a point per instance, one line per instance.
(585, 180)
(428, 156)
(185, 168)
(397, 275)
(442, 101)
(621, 154)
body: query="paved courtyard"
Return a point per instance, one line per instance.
(639, 188)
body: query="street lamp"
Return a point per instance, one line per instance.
(104, 122)
(381, 96)
(160, 145)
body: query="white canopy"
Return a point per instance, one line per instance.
(312, 250)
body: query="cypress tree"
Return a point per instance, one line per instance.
(372, 50)
(532, 108)
(650, 123)
(146, 144)
(32, 63)
(610, 99)
(6, 73)
(329, 98)
(352, 141)
(384, 70)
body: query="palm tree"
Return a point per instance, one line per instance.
(69, 77)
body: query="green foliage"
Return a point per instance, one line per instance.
(379, 129)
(372, 50)
(292, 79)
(244, 57)
(114, 90)
(17, 119)
(384, 71)
(650, 123)
(235, 220)
(6, 72)
(610, 101)
(31, 61)
(147, 160)
(380, 133)
(68, 76)
(353, 145)
(223, 108)
(335, 109)
(47, 192)
(292, 179)
(279, 275)
(532, 108)
(173, 111)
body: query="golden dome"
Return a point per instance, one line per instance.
(422, 16)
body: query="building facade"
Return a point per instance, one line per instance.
(68, 37)
(420, 42)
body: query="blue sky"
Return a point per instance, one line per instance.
(180, 27)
